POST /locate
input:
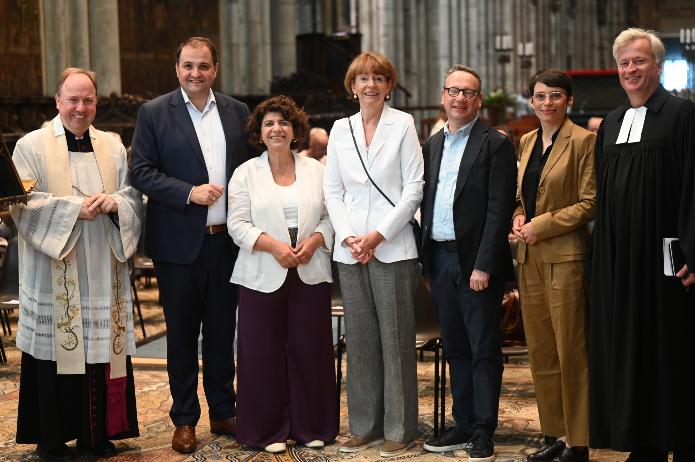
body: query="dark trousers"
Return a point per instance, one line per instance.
(470, 323)
(193, 295)
(286, 377)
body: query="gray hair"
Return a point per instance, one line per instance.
(628, 36)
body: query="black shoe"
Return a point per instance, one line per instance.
(61, 453)
(482, 449)
(574, 454)
(450, 440)
(650, 455)
(548, 451)
(106, 449)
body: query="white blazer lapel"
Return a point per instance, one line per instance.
(269, 189)
(383, 130)
(361, 139)
(303, 192)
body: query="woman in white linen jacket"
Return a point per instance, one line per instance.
(277, 217)
(377, 256)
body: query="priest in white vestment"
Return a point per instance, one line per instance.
(76, 233)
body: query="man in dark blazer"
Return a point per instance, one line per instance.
(185, 147)
(469, 197)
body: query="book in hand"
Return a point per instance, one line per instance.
(674, 259)
(12, 189)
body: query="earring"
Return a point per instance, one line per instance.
(354, 96)
(387, 97)
(260, 141)
(294, 140)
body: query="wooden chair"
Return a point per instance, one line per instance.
(9, 290)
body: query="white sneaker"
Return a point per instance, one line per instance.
(276, 448)
(314, 444)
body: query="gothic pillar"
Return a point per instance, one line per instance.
(64, 39)
(104, 52)
(282, 26)
(245, 46)
(80, 33)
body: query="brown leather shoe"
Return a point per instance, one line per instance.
(223, 427)
(184, 439)
(394, 448)
(358, 443)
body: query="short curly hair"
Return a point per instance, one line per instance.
(289, 110)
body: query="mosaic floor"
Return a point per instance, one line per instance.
(518, 433)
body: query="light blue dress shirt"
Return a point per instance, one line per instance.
(443, 212)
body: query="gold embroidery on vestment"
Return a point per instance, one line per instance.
(66, 321)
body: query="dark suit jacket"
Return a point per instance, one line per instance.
(484, 200)
(167, 161)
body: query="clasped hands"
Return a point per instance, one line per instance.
(96, 204)
(524, 231)
(292, 257)
(362, 247)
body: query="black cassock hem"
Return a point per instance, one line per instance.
(55, 409)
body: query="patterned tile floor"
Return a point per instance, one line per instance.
(518, 433)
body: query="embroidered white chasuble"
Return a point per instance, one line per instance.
(51, 232)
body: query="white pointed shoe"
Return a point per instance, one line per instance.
(314, 444)
(276, 448)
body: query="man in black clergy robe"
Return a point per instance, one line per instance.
(641, 321)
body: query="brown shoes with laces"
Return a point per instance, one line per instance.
(184, 436)
(184, 439)
(223, 427)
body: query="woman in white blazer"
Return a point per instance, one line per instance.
(377, 256)
(277, 217)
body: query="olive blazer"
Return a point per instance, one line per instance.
(566, 197)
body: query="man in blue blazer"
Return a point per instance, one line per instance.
(469, 197)
(185, 147)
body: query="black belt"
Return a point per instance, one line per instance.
(449, 246)
(293, 235)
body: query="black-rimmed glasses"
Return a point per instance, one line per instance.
(468, 93)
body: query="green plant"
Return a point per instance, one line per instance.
(498, 98)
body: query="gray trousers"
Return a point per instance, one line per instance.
(379, 302)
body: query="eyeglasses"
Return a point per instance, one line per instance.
(467, 92)
(554, 96)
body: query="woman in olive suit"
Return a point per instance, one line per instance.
(557, 191)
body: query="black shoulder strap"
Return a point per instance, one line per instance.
(365, 167)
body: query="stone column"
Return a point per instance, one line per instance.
(259, 63)
(80, 33)
(64, 39)
(76, 29)
(245, 51)
(232, 49)
(282, 27)
(104, 53)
